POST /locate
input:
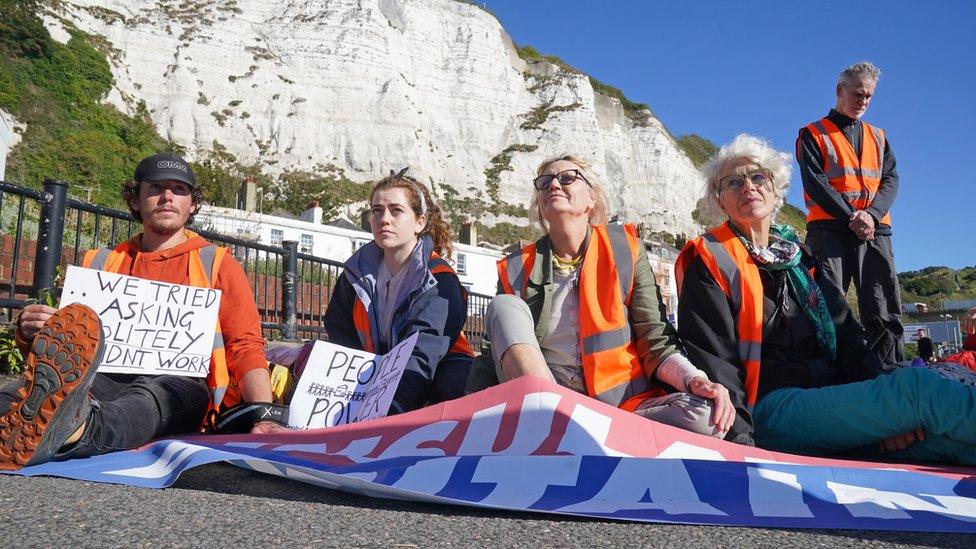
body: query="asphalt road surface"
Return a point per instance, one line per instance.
(221, 505)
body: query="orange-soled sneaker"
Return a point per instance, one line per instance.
(54, 401)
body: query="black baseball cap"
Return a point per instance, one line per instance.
(163, 166)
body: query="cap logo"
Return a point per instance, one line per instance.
(164, 164)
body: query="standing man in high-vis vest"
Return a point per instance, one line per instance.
(65, 409)
(849, 186)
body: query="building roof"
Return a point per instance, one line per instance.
(959, 304)
(282, 213)
(344, 223)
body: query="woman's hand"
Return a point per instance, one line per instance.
(723, 413)
(267, 428)
(32, 319)
(901, 442)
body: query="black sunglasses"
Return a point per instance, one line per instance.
(565, 177)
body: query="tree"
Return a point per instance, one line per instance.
(328, 185)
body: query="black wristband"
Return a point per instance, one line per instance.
(241, 418)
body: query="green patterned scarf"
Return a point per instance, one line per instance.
(783, 254)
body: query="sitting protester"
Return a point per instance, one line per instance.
(580, 307)
(756, 314)
(65, 409)
(399, 284)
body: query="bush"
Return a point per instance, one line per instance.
(505, 233)
(11, 361)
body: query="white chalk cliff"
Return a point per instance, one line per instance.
(370, 85)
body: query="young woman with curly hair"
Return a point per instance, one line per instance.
(401, 283)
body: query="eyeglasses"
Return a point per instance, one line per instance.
(761, 178)
(565, 177)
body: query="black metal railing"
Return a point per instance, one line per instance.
(291, 289)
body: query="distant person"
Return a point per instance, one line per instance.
(400, 284)
(580, 307)
(849, 185)
(756, 314)
(65, 409)
(925, 349)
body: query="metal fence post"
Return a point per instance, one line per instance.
(50, 235)
(288, 295)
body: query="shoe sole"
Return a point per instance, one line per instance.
(60, 368)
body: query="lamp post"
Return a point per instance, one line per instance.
(945, 319)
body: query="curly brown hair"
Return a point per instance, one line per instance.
(130, 193)
(438, 229)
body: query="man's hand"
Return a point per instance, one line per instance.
(723, 413)
(32, 319)
(863, 225)
(969, 321)
(267, 428)
(901, 442)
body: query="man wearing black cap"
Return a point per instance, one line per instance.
(64, 410)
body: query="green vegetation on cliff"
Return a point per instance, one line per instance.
(56, 90)
(794, 217)
(698, 149)
(635, 111)
(933, 285)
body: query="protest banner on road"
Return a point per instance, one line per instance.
(341, 385)
(532, 445)
(149, 327)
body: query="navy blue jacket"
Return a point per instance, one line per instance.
(435, 307)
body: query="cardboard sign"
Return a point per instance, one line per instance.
(150, 327)
(341, 385)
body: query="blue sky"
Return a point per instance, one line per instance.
(722, 68)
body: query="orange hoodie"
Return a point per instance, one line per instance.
(238, 315)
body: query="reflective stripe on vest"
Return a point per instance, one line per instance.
(204, 264)
(855, 178)
(439, 265)
(612, 368)
(514, 270)
(736, 274)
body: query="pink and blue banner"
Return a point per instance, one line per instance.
(534, 446)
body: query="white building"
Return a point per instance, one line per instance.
(475, 265)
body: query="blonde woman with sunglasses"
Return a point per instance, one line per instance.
(580, 307)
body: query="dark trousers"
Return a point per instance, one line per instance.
(129, 411)
(870, 265)
(415, 391)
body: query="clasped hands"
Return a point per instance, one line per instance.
(863, 224)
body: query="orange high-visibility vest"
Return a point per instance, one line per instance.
(857, 179)
(612, 368)
(737, 275)
(360, 317)
(204, 265)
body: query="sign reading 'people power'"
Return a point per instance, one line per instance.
(341, 385)
(149, 327)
